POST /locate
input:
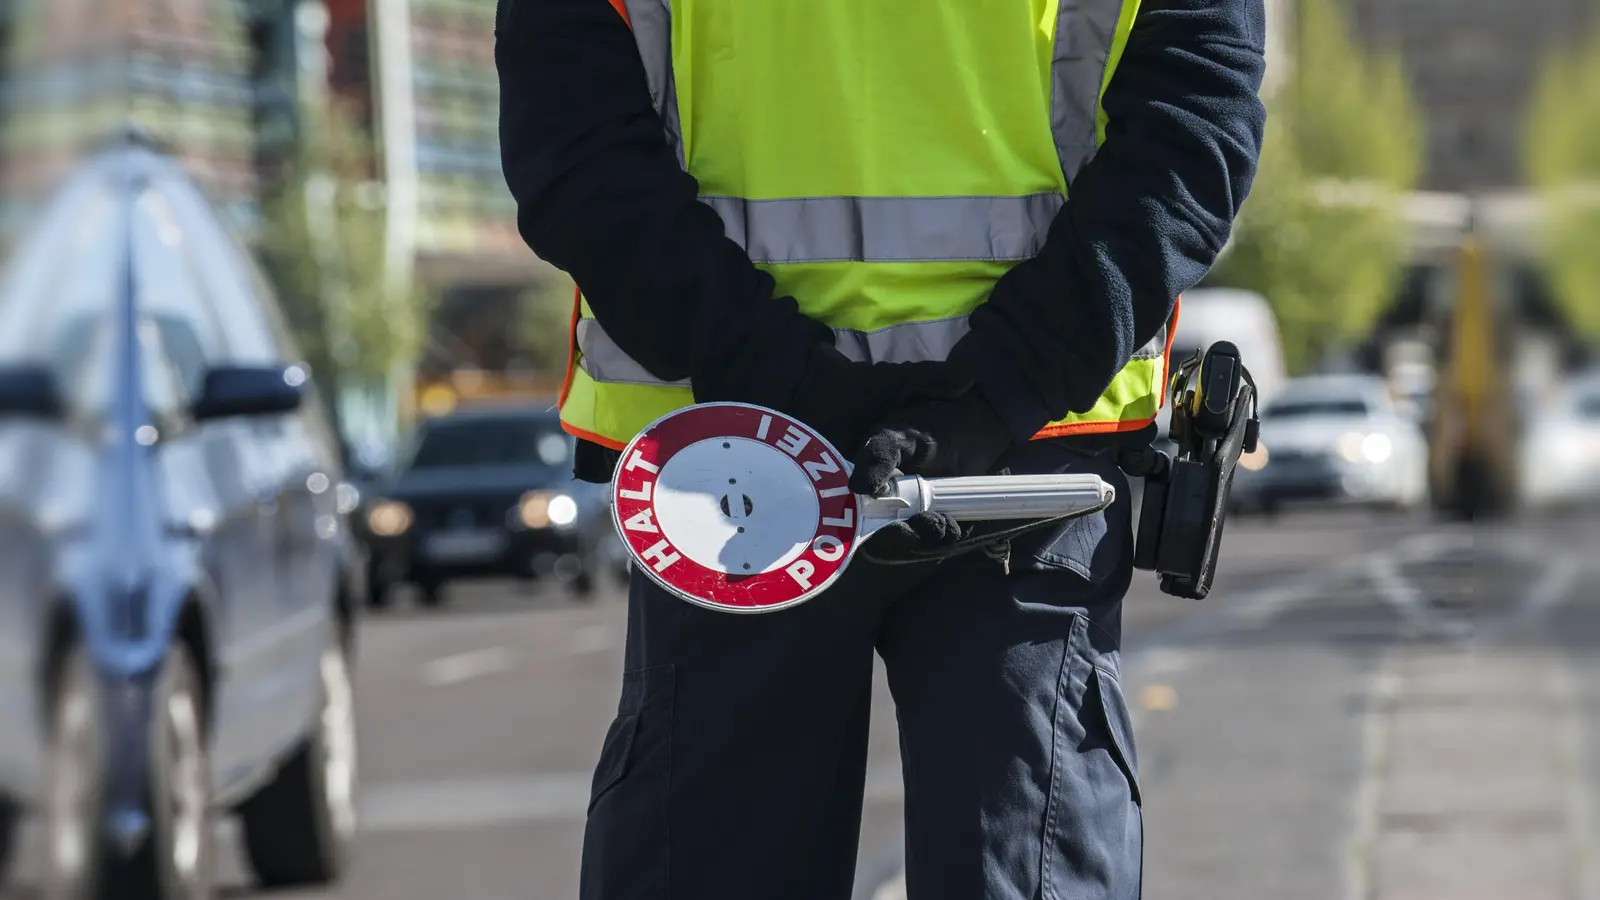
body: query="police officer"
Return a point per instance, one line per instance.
(951, 235)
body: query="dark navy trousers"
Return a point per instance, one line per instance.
(736, 763)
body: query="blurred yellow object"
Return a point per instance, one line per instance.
(389, 518)
(1158, 697)
(437, 400)
(541, 509)
(534, 509)
(442, 394)
(1257, 460)
(1473, 439)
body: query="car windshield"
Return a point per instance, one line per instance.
(509, 441)
(1313, 407)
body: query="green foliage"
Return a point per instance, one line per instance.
(325, 244)
(545, 323)
(1322, 235)
(1562, 157)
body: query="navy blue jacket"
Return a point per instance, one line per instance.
(600, 195)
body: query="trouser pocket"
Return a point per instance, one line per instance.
(1093, 839)
(1096, 547)
(625, 846)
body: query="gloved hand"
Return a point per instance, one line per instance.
(942, 438)
(843, 399)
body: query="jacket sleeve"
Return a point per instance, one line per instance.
(1145, 218)
(601, 196)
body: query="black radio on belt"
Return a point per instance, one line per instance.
(1215, 419)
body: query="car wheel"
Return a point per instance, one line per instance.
(432, 594)
(176, 858)
(74, 783)
(582, 584)
(299, 828)
(380, 594)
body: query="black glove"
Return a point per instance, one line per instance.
(942, 438)
(843, 399)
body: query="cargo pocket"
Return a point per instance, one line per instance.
(641, 689)
(1094, 547)
(1094, 830)
(614, 754)
(1117, 719)
(626, 840)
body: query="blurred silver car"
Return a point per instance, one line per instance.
(1561, 456)
(1334, 439)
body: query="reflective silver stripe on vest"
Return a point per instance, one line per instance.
(1085, 31)
(603, 361)
(906, 229)
(889, 229)
(652, 31)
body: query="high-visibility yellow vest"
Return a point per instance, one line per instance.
(886, 161)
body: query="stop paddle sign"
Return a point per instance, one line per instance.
(735, 507)
(740, 508)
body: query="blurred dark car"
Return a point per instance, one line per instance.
(176, 582)
(487, 492)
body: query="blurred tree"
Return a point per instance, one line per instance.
(324, 245)
(1562, 156)
(1322, 235)
(545, 319)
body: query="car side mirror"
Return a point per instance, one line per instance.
(230, 391)
(30, 391)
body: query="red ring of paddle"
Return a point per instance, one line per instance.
(633, 509)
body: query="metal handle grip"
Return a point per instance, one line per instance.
(1018, 496)
(992, 497)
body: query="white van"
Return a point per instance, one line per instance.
(1208, 315)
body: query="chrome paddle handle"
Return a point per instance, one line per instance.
(991, 497)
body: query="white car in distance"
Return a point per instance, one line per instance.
(1561, 451)
(1334, 439)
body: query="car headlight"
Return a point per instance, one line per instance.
(1373, 448)
(389, 518)
(542, 509)
(563, 510)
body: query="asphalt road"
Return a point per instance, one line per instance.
(1270, 720)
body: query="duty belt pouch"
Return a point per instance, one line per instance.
(1192, 515)
(1186, 498)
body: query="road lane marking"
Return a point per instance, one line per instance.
(1382, 690)
(1580, 802)
(451, 805)
(1396, 590)
(461, 667)
(473, 803)
(1553, 589)
(1164, 661)
(594, 639)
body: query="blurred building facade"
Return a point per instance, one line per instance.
(424, 70)
(221, 83)
(74, 71)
